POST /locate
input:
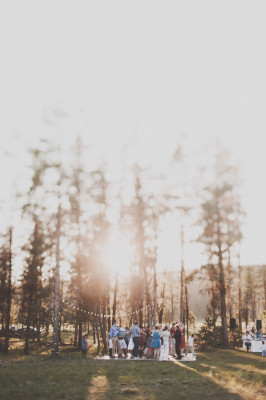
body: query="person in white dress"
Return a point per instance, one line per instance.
(165, 338)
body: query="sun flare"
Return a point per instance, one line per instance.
(119, 256)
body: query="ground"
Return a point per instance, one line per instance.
(215, 375)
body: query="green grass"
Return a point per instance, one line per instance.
(219, 375)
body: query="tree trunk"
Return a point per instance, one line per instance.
(225, 338)
(115, 298)
(79, 330)
(187, 310)
(55, 350)
(98, 336)
(93, 331)
(76, 333)
(155, 293)
(9, 294)
(239, 294)
(26, 346)
(182, 277)
(162, 306)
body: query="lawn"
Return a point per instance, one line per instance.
(223, 375)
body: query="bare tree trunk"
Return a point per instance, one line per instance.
(27, 334)
(182, 277)
(264, 285)
(155, 293)
(239, 293)
(225, 338)
(172, 304)
(187, 310)
(162, 305)
(93, 332)
(79, 330)
(115, 297)
(229, 280)
(98, 336)
(104, 325)
(76, 333)
(9, 294)
(55, 350)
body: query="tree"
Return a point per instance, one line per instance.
(219, 221)
(32, 290)
(6, 286)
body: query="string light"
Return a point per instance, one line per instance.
(104, 315)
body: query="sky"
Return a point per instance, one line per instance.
(148, 75)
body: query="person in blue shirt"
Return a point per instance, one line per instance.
(113, 335)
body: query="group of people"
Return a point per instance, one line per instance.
(152, 344)
(253, 335)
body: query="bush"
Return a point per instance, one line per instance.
(210, 336)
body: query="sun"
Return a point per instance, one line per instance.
(119, 256)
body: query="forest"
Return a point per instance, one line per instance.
(90, 251)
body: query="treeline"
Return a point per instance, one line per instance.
(71, 212)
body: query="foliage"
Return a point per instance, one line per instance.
(210, 336)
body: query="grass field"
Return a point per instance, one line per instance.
(219, 375)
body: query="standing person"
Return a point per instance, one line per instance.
(149, 341)
(135, 332)
(142, 342)
(247, 340)
(165, 336)
(110, 347)
(263, 352)
(190, 344)
(127, 335)
(84, 346)
(253, 333)
(156, 343)
(172, 340)
(177, 337)
(113, 335)
(121, 337)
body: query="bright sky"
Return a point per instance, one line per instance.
(142, 73)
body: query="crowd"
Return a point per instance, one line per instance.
(144, 342)
(159, 343)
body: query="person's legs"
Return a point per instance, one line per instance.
(177, 347)
(166, 351)
(263, 353)
(157, 353)
(135, 351)
(119, 351)
(161, 353)
(172, 346)
(114, 346)
(138, 343)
